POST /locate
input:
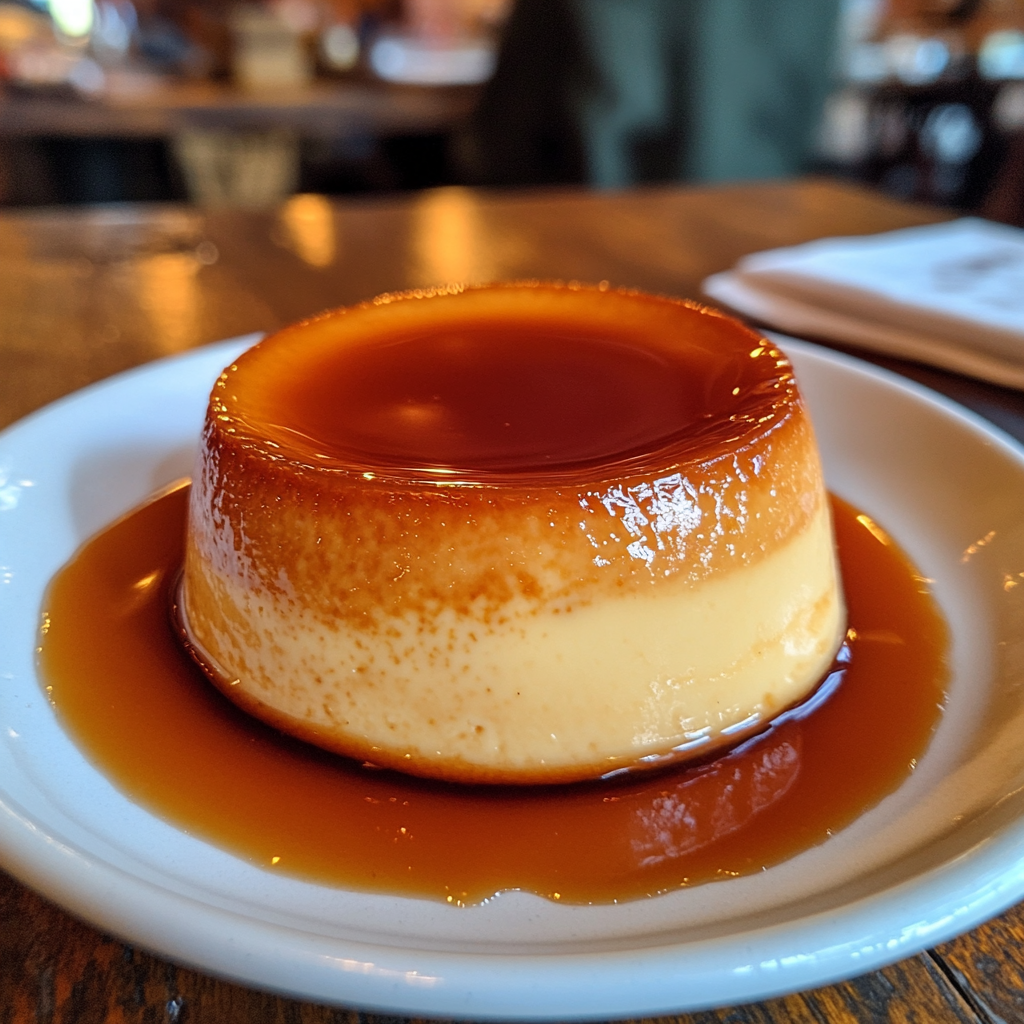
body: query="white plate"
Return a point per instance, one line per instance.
(943, 853)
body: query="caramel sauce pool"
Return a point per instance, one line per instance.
(144, 714)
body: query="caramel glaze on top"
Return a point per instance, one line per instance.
(688, 452)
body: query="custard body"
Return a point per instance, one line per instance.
(416, 538)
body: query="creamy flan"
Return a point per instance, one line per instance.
(519, 533)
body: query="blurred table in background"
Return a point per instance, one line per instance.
(86, 293)
(147, 107)
(222, 135)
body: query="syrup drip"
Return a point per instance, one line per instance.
(142, 711)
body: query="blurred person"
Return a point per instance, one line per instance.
(618, 92)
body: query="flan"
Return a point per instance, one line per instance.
(522, 533)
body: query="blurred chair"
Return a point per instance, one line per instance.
(617, 92)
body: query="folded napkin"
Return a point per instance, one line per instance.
(947, 294)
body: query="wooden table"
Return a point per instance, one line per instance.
(85, 294)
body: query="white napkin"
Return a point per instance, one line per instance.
(948, 294)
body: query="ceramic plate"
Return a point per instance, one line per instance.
(941, 854)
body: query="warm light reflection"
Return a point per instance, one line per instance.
(147, 581)
(974, 548)
(449, 239)
(874, 529)
(1010, 581)
(308, 223)
(169, 295)
(707, 806)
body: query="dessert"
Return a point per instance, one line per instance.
(521, 533)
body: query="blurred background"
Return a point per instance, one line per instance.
(224, 103)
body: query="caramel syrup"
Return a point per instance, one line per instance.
(513, 397)
(140, 709)
(505, 382)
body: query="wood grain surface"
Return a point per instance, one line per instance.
(87, 293)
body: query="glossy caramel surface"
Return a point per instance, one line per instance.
(145, 715)
(506, 383)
